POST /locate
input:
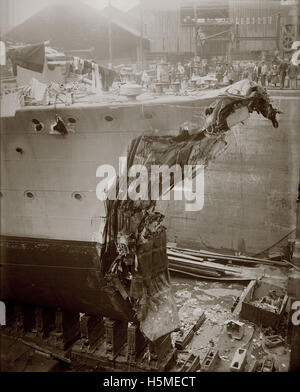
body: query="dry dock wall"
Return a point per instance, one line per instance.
(250, 191)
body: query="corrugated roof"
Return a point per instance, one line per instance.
(79, 26)
(123, 20)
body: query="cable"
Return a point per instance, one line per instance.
(276, 243)
(214, 35)
(291, 264)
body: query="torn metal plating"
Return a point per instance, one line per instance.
(134, 257)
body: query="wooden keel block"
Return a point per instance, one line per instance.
(115, 336)
(91, 329)
(22, 319)
(18, 321)
(136, 342)
(67, 329)
(159, 350)
(44, 321)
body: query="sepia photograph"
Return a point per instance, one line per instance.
(149, 189)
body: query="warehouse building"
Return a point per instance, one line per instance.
(235, 28)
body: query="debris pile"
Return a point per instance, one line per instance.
(271, 302)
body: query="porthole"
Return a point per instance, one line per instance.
(51, 67)
(148, 115)
(109, 118)
(77, 196)
(71, 124)
(29, 195)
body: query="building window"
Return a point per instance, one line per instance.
(242, 20)
(247, 20)
(270, 19)
(237, 21)
(253, 20)
(264, 20)
(258, 20)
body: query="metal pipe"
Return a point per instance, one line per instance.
(195, 29)
(278, 30)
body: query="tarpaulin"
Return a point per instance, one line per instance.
(30, 57)
(38, 90)
(107, 76)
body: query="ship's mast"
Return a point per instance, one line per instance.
(109, 34)
(141, 35)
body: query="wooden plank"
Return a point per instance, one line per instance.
(194, 270)
(221, 279)
(200, 261)
(202, 265)
(247, 290)
(46, 351)
(203, 253)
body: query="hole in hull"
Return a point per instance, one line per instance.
(38, 126)
(77, 196)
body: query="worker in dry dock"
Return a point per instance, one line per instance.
(181, 71)
(292, 74)
(282, 73)
(219, 73)
(274, 75)
(230, 74)
(256, 72)
(264, 73)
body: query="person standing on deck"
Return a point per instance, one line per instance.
(181, 71)
(245, 73)
(256, 72)
(251, 73)
(230, 74)
(282, 73)
(238, 70)
(274, 75)
(219, 73)
(293, 74)
(205, 69)
(264, 73)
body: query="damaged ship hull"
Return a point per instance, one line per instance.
(52, 222)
